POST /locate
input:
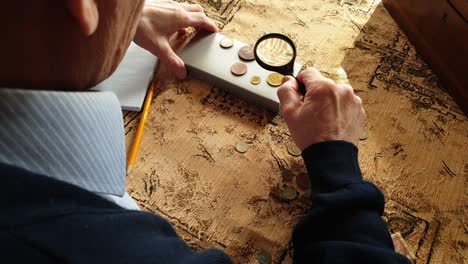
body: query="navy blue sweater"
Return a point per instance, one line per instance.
(47, 221)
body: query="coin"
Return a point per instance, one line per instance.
(275, 79)
(264, 257)
(255, 80)
(302, 181)
(247, 53)
(364, 134)
(239, 68)
(294, 150)
(226, 43)
(242, 147)
(289, 193)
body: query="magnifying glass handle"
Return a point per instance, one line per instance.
(301, 86)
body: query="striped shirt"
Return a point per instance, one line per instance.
(76, 137)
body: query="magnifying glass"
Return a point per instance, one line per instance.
(276, 52)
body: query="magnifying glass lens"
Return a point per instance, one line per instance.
(275, 52)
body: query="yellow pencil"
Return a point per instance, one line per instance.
(149, 97)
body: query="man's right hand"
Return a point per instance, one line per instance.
(328, 111)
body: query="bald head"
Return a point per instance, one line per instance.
(64, 44)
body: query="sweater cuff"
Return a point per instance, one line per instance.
(331, 165)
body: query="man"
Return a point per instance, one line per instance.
(62, 155)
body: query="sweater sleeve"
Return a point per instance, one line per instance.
(344, 224)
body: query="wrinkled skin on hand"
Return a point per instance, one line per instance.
(162, 19)
(327, 112)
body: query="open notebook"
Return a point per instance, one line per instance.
(132, 78)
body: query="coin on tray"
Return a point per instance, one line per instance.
(255, 80)
(247, 53)
(226, 43)
(239, 68)
(275, 79)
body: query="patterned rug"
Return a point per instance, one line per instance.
(189, 172)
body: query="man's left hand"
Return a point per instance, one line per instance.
(160, 20)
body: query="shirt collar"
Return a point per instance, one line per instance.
(76, 137)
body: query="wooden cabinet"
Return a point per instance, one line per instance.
(439, 30)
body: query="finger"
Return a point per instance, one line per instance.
(290, 98)
(191, 7)
(199, 20)
(171, 60)
(199, 9)
(182, 31)
(287, 78)
(364, 116)
(358, 99)
(309, 74)
(347, 88)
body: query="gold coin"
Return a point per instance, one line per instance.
(289, 193)
(275, 79)
(239, 68)
(226, 43)
(255, 80)
(294, 150)
(242, 147)
(364, 134)
(247, 53)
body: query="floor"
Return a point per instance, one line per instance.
(189, 171)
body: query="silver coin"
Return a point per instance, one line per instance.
(226, 43)
(242, 147)
(364, 134)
